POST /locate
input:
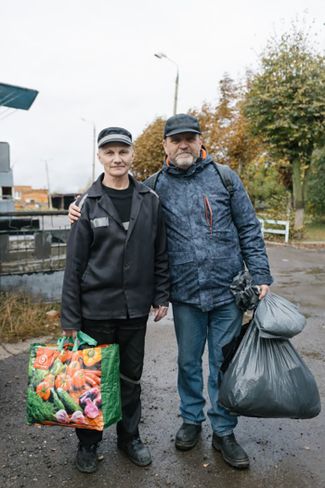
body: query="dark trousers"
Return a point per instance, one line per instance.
(130, 335)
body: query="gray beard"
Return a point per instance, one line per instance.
(184, 165)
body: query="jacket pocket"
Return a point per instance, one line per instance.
(183, 275)
(225, 244)
(223, 270)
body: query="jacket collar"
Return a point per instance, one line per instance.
(96, 189)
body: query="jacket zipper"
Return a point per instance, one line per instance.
(208, 213)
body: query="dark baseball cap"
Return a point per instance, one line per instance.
(181, 123)
(114, 134)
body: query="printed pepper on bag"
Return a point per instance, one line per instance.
(79, 389)
(91, 357)
(45, 358)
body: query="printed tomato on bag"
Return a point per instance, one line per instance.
(74, 388)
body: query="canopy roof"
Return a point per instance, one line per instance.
(16, 96)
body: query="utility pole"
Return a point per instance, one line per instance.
(93, 159)
(176, 92)
(49, 199)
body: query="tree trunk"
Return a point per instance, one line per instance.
(298, 196)
(299, 219)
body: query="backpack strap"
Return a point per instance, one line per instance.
(222, 169)
(224, 173)
(151, 182)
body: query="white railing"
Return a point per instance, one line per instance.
(269, 230)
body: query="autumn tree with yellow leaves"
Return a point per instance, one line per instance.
(149, 152)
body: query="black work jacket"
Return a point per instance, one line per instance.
(112, 273)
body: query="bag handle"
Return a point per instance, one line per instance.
(81, 339)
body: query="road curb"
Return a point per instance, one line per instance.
(14, 348)
(308, 245)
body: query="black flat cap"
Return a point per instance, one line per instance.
(114, 134)
(181, 123)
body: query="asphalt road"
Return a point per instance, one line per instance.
(284, 453)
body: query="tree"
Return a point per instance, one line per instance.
(225, 128)
(263, 186)
(285, 105)
(316, 183)
(149, 152)
(225, 118)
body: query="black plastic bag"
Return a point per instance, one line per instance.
(245, 293)
(267, 378)
(230, 349)
(277, 317)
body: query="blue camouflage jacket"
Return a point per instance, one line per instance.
(210, 233)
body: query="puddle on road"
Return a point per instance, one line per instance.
(315, 271)
(287, 283)
(313, 355)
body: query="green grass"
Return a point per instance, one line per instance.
(315, 231)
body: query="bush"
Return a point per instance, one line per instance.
(21, 317)
(263, 184)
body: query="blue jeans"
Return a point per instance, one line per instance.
(193, 327)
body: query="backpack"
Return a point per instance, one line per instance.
(222, 169)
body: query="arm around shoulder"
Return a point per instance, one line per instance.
(161, 295)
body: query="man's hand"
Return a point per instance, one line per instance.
(264, 289)
(74, 213)
(160, 312)
(70, 333)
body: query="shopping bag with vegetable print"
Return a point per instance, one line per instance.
(73, 385)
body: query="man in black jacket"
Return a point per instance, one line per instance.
(116, 269)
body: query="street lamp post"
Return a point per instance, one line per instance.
(49, 198)
(94, 148)
(164, 56)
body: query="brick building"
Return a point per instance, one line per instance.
(28, 198)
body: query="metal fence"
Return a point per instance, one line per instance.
(33, 242)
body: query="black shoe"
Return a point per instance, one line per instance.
(231, 451)
(136, 451)
(187, 436)
(86, 460)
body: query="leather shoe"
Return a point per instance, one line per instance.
(187, 436)
(231, 451)
(136, 451)
(86, 460)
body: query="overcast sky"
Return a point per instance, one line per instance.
(95, 59)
